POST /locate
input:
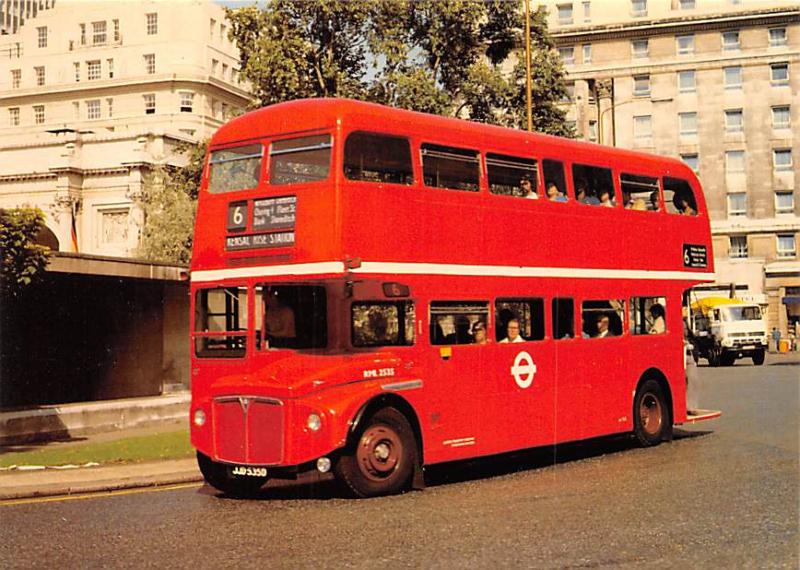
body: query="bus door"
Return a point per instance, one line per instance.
(460, 402)
(520, 374)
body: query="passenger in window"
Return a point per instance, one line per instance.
(603, 329)
(605, 199)
(512, 330)
(553, 193)
(659, 325)
(683, 206)
(479, 333)
(527, 188)
(279, 319)
(583, 195)
(653, 201)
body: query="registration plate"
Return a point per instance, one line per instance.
(748, 347)
(246, 471)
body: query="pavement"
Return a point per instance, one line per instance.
(95, 421)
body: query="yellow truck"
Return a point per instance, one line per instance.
(723, 330)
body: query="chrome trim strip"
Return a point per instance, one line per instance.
(400, 386)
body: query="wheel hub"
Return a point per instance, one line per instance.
(379, 452)
(651, 414)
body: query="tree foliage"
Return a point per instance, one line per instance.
(459, 57)
(24, 261)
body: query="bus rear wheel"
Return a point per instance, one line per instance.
(219, 476)
(758, 357)
(652, 419)
(380, 458)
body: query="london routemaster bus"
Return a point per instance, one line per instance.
(377, 290)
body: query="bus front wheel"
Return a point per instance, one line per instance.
(651, 414)
(380, 459)
(219, 476)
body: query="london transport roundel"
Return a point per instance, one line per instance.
(523, 369)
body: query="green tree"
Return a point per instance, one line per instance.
(24, 261)
(456, 58)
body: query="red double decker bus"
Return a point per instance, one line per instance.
(377, 290)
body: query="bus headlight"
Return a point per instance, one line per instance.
(313, 422)
(199, 418)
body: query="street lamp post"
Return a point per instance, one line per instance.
(528, 64)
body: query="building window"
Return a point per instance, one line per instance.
(149, 104)
(117, 36)
(779, 73)
(593, 131)
(734, 121)
(223, 33)
(42, 36)
(16, 78)
(98, 33)
(569, 92)
(781, 117)
(187, 102)
(93, 69)
(39, 72)
(642, 127)
(685, 44)
(152, 23)
(782, 159)
(737, 204)
(730, 41)
(214, 66)
(13, 116)
(93, 109)
(224, 71)
(734, 162)
(688, 124)
(150, 63)
(777, 37)
(76, 110)
(787, 246)
(638, 8)
(564, 14)
(587, 12)
(110, 64)
(110, 107)
(641, 85)
(640, 48)
(587, 53)
(567, 54)
(692, 161)
(38, 114)
(83, 33)
(687, 4)
(733, 77)
(738, 247)
(212, 23)
(687, 81)
(784, 202)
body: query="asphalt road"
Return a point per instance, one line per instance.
(725, 493)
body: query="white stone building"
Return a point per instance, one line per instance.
(716, 83)
(92, 93)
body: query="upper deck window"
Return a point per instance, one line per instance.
(450, 167)
(302, 159)
(679, 197)
(512, 176)
(235, 168)
(378, 158)
(639, 192)
(593, 185)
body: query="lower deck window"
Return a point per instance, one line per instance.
(220, 322)
(454, 322)
(519, 318)
(563, 318)
(648, 315)
(602, 318)
(383, 324)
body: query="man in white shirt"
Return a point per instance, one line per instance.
(512, 330)
(602, 327)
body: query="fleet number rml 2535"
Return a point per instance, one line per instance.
(379, 373)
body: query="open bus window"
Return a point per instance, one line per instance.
(291, 316)
(639, 192)
(679, 197)
(383, 324)
(220, 322)
(554, 178)
(593, 185)
(602, 319)
(301, 159)
(529, 313)
(648, 315)
(237, 168)
(450, 167)
(507, 175)
(563, 318)
(378, 158)
(453, 322)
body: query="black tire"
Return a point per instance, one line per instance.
(727, 359)
(652, 417)
(758, 357)
(380, 458)
(715, 355)
(219, 476)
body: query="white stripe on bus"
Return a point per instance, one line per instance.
(392, 268)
